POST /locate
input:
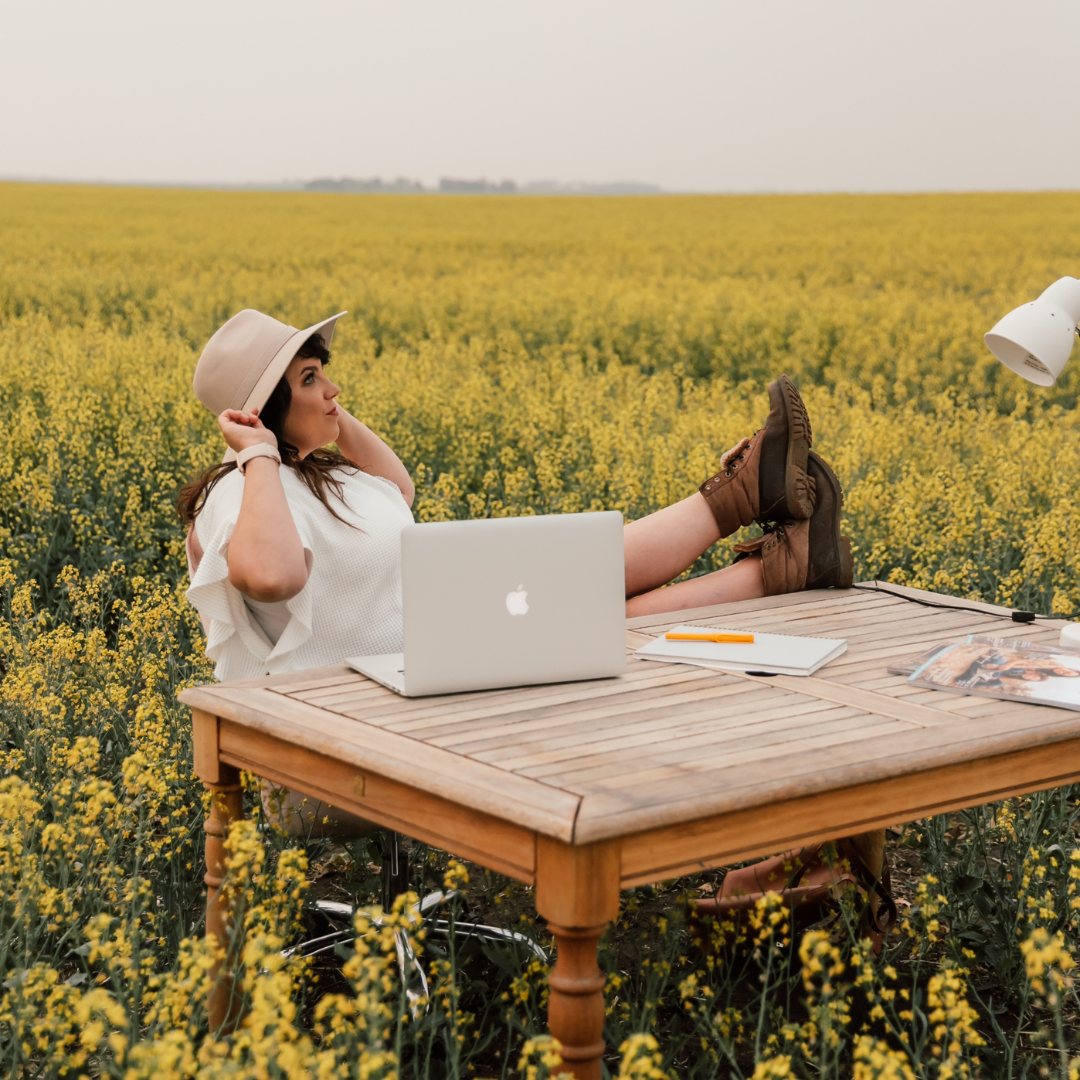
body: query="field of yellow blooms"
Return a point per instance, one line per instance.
(522, 355)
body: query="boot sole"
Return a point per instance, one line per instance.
(841, 545)
(847, 565)
(798, 486)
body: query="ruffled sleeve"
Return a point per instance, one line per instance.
(234, 640)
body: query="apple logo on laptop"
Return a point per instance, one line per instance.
(516, 603)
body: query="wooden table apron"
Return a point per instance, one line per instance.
(582, 789)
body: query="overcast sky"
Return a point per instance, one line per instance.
(755, 95)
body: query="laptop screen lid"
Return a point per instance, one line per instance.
(513, 601)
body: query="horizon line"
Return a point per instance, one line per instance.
(298, 188)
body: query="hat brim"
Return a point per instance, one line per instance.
(275, 370)
(261, 391)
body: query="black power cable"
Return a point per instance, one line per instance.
(1017, 616)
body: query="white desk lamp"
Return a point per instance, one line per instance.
(1035, 340)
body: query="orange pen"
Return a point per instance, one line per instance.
(726, 639)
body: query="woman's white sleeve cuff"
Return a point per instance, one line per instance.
(231, 625)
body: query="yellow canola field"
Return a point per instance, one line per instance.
(522, 355)
(536, 355)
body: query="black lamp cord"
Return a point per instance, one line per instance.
(1017, 616)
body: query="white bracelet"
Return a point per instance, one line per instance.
(258, 450)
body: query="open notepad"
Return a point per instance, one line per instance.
(769, 654)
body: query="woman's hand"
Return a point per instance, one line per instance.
(244, 429)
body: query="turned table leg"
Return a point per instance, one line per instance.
(226, 806)
(577, 892)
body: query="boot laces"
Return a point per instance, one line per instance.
(733, 464)
(780, 528)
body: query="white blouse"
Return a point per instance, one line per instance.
(351, 604)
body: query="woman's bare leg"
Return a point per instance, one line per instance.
(661, 546)
(740, 581)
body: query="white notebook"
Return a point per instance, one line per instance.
(769, 654)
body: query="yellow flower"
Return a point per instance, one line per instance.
(773, 1068)
(456, 875)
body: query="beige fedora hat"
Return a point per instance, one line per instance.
(246, 358)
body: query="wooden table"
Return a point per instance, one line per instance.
(582, 789)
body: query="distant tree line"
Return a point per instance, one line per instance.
(348, 183)
(450, 186)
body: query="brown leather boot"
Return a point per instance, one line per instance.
(807, 554)
(810, 881)
(767, 480)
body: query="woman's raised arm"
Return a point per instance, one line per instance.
(266, 555)
(363, 447)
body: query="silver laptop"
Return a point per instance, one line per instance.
(507, 602)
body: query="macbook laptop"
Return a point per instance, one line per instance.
(507, 602)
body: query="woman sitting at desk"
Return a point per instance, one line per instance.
(293, 548)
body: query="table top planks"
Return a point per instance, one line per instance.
(666, 745)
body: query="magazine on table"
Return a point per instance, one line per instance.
(909, 665)
(1034, 674)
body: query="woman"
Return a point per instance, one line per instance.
(294, 549)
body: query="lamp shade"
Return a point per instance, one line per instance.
(1035, 339)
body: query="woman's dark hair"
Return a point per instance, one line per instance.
(316, 470)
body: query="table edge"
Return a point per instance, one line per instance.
(520, 800)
